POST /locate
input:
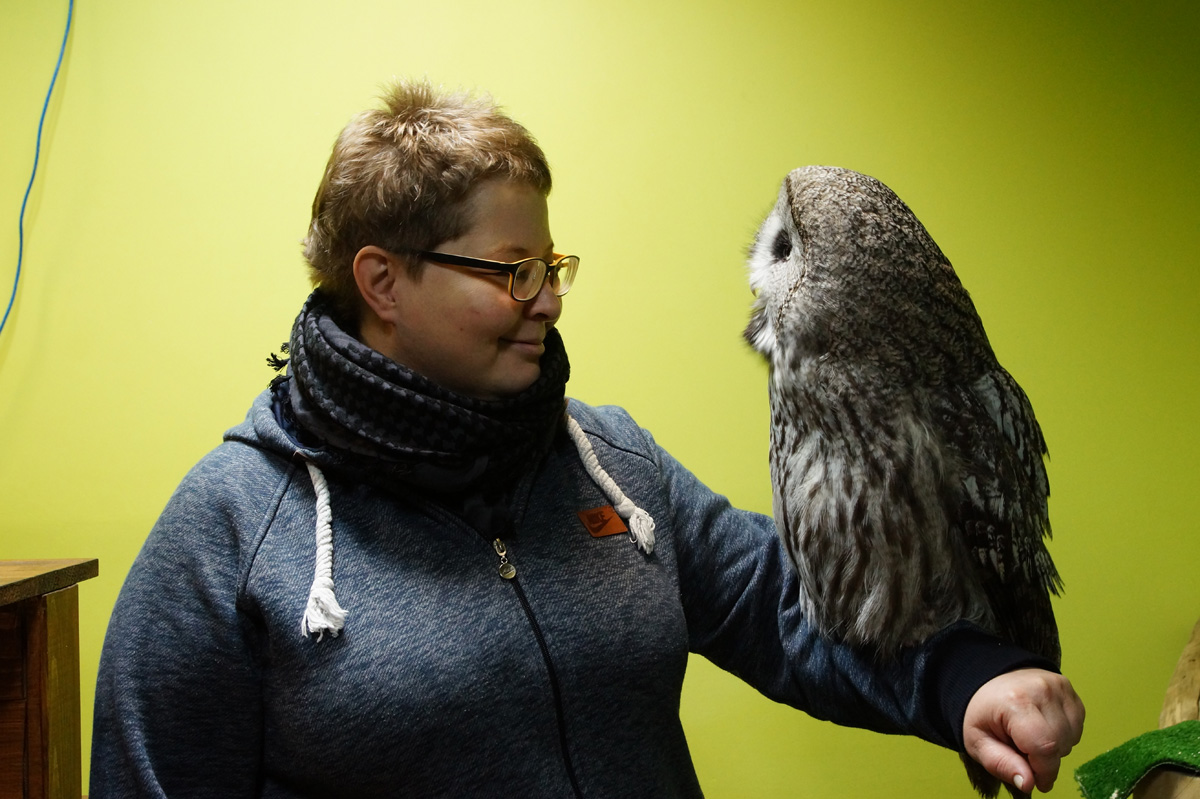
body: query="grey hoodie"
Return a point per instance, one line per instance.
(448, 679)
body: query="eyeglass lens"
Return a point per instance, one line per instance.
(530, 275)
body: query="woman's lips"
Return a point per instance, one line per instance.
(532, 347)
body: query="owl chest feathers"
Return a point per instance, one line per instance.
(864, 486)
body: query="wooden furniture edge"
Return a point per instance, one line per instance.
(22, 579)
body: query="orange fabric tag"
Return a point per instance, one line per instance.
(602, 521)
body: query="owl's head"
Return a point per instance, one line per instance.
(842, 263)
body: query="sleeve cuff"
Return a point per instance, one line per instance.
(961, 662)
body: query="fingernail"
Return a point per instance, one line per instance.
(1019, 781)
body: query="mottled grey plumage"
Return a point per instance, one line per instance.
(910, 490)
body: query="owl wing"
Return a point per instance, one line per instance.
(1002, 511)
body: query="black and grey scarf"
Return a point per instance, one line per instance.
(384, 423)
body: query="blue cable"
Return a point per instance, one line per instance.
(36, 154)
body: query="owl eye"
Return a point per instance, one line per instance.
(781, 248)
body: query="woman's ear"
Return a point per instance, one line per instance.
(375, 272)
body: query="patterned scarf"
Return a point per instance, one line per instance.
(383, 423)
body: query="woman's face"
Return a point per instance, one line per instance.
(459, 326)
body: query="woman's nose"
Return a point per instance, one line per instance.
(546, 305)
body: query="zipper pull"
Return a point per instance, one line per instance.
(507, 570)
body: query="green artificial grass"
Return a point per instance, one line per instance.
(1113, 774)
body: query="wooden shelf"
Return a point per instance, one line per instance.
(40, 753)
(22, 579)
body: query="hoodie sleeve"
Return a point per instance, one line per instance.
(178, 706)
(740, 598)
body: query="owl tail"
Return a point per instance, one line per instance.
(983, 782)
(641, 523)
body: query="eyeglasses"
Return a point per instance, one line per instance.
(525, 278)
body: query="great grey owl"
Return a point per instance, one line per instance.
(910, 489)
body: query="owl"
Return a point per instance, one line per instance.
(909, 485)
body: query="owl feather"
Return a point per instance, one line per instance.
(908, 466)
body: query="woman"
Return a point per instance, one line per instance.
(407, 572)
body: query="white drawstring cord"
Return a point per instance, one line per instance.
(323, 614)
(641, 523)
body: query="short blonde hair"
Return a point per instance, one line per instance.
(398, 178)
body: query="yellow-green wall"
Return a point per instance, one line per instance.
(1051, 149)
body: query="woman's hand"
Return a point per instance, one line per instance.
(1021, 724)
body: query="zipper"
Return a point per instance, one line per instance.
(506, 569)
(509, 572)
